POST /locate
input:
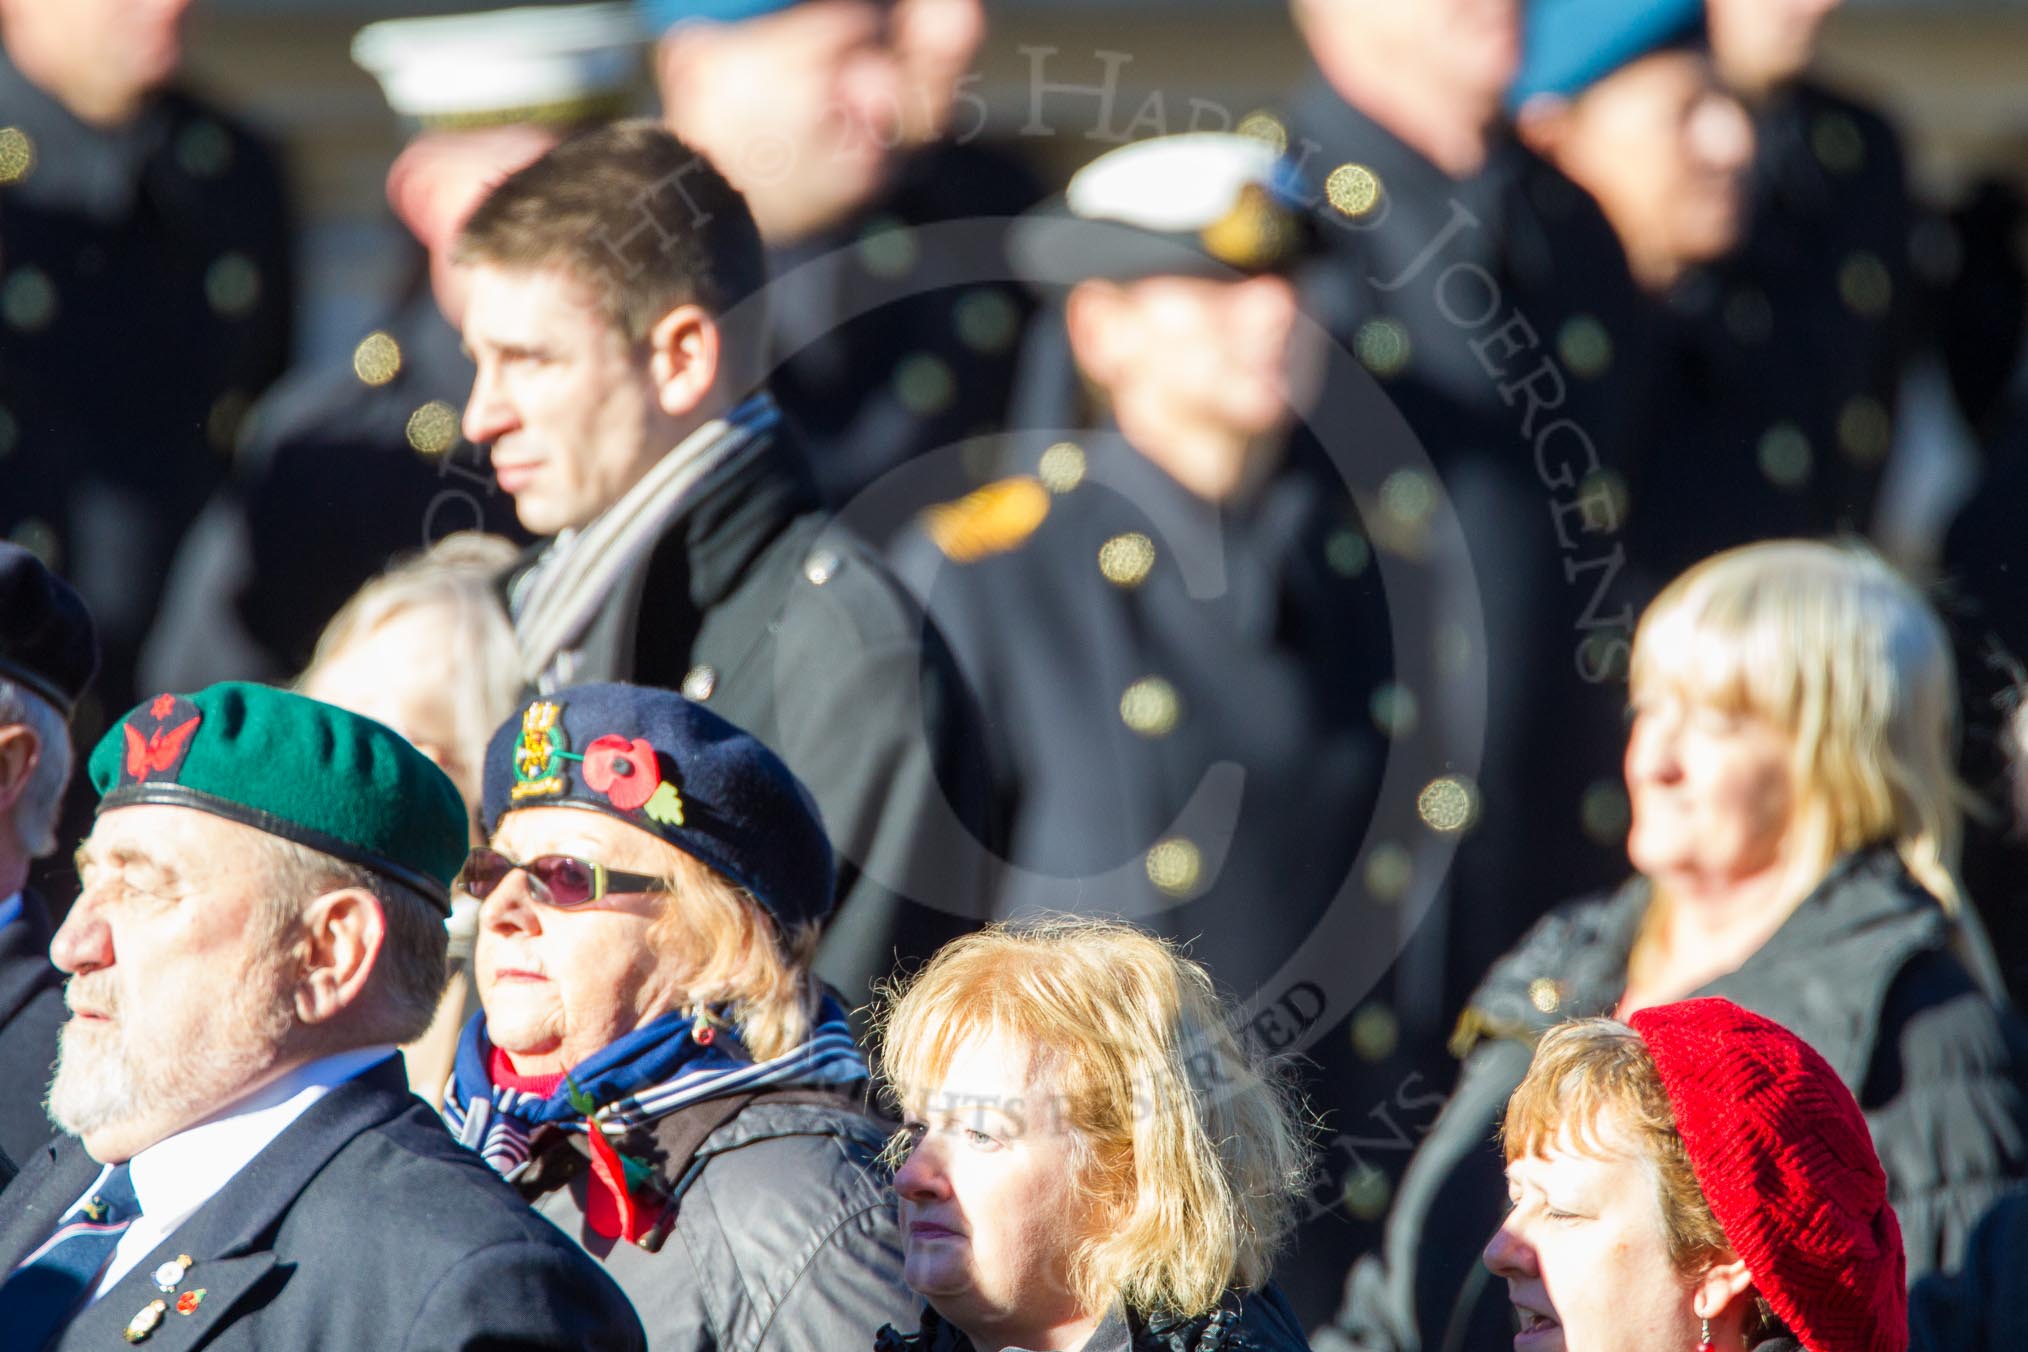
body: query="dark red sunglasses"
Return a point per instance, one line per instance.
(560, 879)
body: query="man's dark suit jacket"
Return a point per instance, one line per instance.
(31, 1013)
(363, 1225)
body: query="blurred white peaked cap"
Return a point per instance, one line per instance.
(1173, 183)
(554, 64)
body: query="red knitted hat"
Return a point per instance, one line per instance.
(1786, 1162)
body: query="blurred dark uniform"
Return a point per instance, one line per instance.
(344, 468)
(1497, 316)
(892, 344)
(1785, 358)
(146, 303)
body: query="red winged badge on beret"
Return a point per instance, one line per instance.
(158, 738)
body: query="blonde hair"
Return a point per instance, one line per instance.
(722, 948)
(1832, 646)
(474, 663)
(1192, 1152)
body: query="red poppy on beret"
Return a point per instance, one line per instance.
(624, 771)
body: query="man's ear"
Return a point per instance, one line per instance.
(684, 358)
(20, 749)
(1091, 316)
(1542, 123)
(343, 933)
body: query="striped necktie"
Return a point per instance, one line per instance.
(40, 1294)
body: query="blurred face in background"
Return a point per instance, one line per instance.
(1712, 791)
(1759, 44)
(100, 58)
(933, 42)
(1193, 365)
(1470, 48)
(1664, 151)
(440, 177)
(799, 109)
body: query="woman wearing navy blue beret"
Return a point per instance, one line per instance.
(654, 1065)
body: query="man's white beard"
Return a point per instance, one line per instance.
(136, 1068)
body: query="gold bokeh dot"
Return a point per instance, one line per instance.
(1545, 994)
(1376, 1032)
(17, 154)
(1352, 189)
(433, 428)
(377, 359)
(1262, 126)
(1389, 871)
(1126, 560)
(1784, 455)
(1448, 804)
(1382, 346)
(1175, 866)
(1151, 707)
(1062, 467)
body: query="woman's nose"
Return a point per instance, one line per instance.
(510, 907)
(921, 1177)
(1508, 1255)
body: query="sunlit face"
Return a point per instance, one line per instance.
(990, 1208)
(556, 984)
(1584, 1254)
(1190, 353)
(104, 55)
(1762, 43)
(561, 395)
(1712, 792)
(440, 178)
(177, 1009)
(799, 109)
(1665, 152)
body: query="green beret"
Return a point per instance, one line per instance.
(294, 767)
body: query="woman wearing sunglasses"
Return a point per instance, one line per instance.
(654, 1065)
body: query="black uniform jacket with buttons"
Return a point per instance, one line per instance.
(777, 1229)
(361, 457)
(363, 1225)
(1864, 971)
(754, 604)
(31, 1015)
(146, 303)
(1496, 314)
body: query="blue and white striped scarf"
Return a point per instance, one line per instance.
(650, 1073)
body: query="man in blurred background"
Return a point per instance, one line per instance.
(1489, 302)
(147, 301)
(371, 440)
(48, 654)
(835, 120)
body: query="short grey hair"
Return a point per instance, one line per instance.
(41, 801)
(412, 967)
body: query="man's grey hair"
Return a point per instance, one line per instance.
(411, 969)
(41, 802)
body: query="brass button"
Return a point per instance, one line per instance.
(699, 682)
(821, 567)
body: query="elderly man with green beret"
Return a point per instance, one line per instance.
(261, 922)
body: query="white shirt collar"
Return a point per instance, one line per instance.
(177, 1175)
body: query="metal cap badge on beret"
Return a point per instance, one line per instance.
(1200, 204)
(47, 640)
(675, 770)
(1567, 46)
(294, 767)
(557, 65)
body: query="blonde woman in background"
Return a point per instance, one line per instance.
(427, 649)
(1794, 824)
(1089, 1158)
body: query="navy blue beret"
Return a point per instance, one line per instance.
(1567, 46)
(47, 640)
(677, 771)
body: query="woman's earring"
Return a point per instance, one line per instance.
(1705, 1345)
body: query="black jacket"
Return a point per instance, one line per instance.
(1863, 971)
(1983, 1306)
(31, 1014)
(363, 1225)
(753, 603)
(1259, 1321)
(778, 1230)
